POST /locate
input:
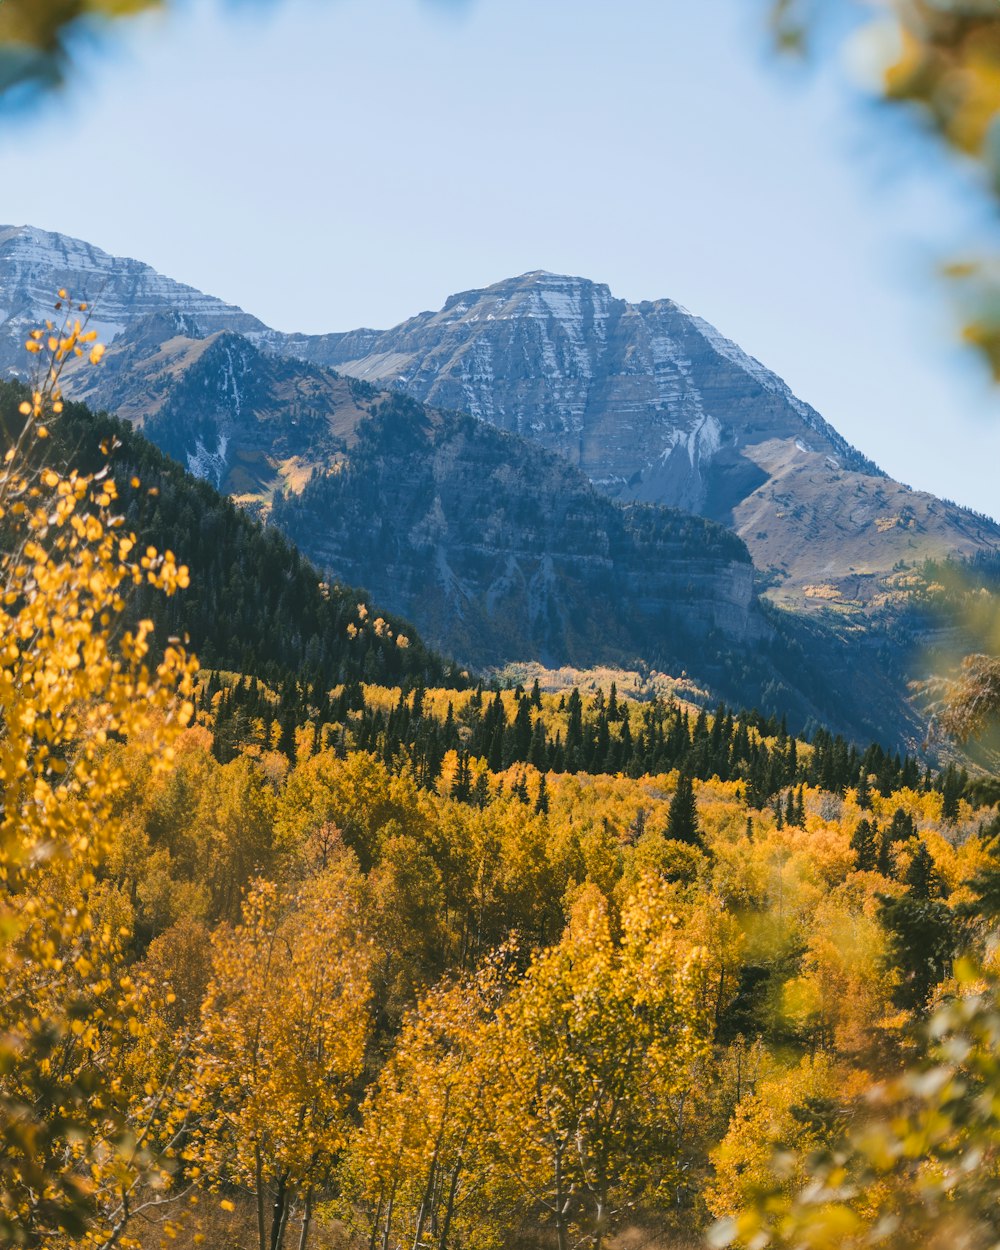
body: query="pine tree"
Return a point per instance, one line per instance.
(921, 876)
(460, 788)
(542, 801)
(538, 752)
(951, 792)
(865, 847)
(519, 744)
(481, 796)
(886, 859)
(902, 827)
(574, 729)
(682, 817)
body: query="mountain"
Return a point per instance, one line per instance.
(35, 264)
(483, 534)
(655, 405)
(496, 549)
(648, 402)
(651, 402)
(499, 550)
(245, 420)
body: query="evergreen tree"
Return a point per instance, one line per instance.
(460, 787)
(902, 827)
(864, 844)
(574, 729)
(921, 877)
(481, 792)
(682, 817)
(538, 751)
(951, 791)
(923, 937)
(886, 859)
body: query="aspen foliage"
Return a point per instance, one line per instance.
(597, 1034)
(285, 1022)
(75, 676)
(413, 1172)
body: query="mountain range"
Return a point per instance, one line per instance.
(650, 401)
(556, 520)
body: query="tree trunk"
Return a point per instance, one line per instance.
(376, 1220)
(278, 1212)
(562, 1241)
(428, 1198)
(283, 1226)
(306, 1220)
(259, 1176)
(450, 1208)
(388, 1221)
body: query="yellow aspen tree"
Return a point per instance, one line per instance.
(285, 1024)
(73, 676)
(796, 1112)
(592, 1027)
(410, 1173)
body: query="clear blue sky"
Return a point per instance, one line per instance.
(335, 163)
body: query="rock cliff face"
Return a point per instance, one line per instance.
(649, 401)
(653, 404)
(496, 549)
(244, 420)
(480, 532)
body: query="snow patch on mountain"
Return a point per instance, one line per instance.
(209, 465)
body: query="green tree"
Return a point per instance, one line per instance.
(682, 815)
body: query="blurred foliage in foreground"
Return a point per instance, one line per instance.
(941, 59)
(34, 36)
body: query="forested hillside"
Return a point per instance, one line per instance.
(510, 999)
(254, 604)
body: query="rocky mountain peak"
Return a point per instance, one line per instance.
(35, 264)
(537, 295)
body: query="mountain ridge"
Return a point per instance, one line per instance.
(652, 403)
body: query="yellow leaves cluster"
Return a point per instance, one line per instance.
(285, 1024)
(73, 677)
(590, 1049)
